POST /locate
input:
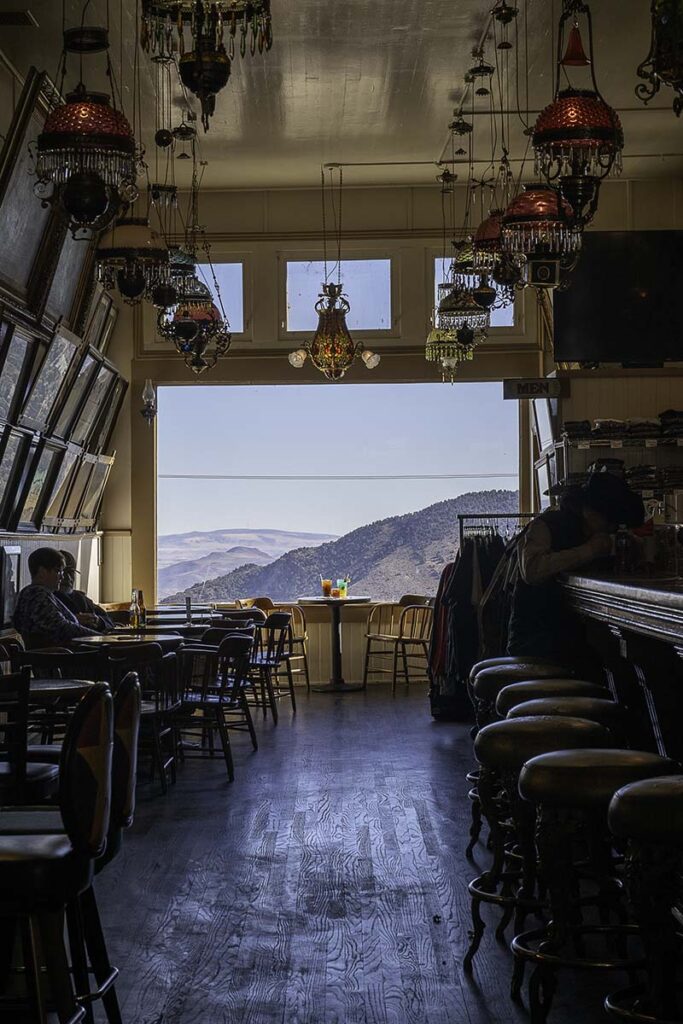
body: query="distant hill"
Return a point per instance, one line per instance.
(402, 554)
(183, 574)
(180, 547)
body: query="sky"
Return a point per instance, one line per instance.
(361, 432)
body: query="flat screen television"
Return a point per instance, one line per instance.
(623, 304)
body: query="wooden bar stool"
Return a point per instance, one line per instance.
(501, 749)
(607, 712)
(571, 790)
(649, 815)
(518, 693)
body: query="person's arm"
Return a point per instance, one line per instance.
(103, 620)
(50, 617)
(538, 563)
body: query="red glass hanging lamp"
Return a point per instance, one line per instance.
(578, 138)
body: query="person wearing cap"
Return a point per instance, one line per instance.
(77, 601)
(42, 619)
(576, 534)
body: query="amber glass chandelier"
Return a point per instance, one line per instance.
(85, 157)
(578, 138)
(195, 32)
(332, 350)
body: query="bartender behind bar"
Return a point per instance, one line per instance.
(578, 533)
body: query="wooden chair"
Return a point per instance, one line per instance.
(158, 674)
(298, 641)
(40, 875)
(213, 696)
(408, 599)
(263, 603)
(238, 615)
(269, 659)
(395, 630)
(20, 781)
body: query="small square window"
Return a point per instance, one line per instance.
(366, 283)
(230, 278)
(504, 317)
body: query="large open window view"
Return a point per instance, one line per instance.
(358, 480)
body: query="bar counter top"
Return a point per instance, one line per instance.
(650, 606)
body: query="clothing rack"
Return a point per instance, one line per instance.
(476, 520)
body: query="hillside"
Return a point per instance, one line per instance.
(181, 547)
(384, 559)
(183, 574)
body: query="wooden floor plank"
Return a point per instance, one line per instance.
(327, 885)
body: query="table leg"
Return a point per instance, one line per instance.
(336, 683)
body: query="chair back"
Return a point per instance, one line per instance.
(382, 619)
(61, 663)
(416, 622)
(273, 639)
(125, 754)
(14, 699)
(43, 663)
(85, 772)
(215, 635)
(298, 624)
(125, 658)
(249, 615)
(9, 651)
(264, 603)
(409, 599)
(234, 655)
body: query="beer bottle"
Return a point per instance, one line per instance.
(142, 611)
(134, 612)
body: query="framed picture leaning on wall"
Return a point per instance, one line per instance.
(10, 581)
(17, 349)
(50, 383)
(14, 452)
(23, 219)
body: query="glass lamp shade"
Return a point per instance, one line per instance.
(134, 258)
(205, 72)
(213, 20)
(539, 222)
(332, 349)
(297, 358)
(487, 244)
(85, 158)
(195, 324)
(371, 359)
(458, 308)
(450, 349)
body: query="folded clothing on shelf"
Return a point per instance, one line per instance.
(672, 422)
(643, 427)
(576, 428)
(609, 428)
(614, 466)
(672, 477)
(644, 478)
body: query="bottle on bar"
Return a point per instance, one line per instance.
(142, 611)
(134, 612)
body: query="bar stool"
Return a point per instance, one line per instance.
(487, 678)
(501, 749)
(533, 689)
(571, 790)
(649, 815)
(607, 712)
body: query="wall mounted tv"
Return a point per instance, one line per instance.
(623, 304)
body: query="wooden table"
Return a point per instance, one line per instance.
(46, 691)
(335, 604)
(167, 641)
(183, 629)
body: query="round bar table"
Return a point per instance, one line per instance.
(46, 691)
(335, 604)
(168, 641)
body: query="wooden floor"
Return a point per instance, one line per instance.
(326, 885)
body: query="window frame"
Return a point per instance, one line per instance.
(246, 334)
(286, 256)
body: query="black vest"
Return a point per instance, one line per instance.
(541, 624)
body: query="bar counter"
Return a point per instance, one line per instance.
(634, 625)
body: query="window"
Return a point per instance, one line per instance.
(367, 285)
(235, 521)
(230, 277)
(504, 317)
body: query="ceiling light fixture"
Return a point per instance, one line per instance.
(205, 64)
(85, 156)
(332, 350)
(578, 138)
(664, 63)
(539, 226)
(133, 259)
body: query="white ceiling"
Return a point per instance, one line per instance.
(374, 84)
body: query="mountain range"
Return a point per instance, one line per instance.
(387, 558)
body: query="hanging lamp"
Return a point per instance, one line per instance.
(194, 32)
(85, 155)
(332, 350)
(664, 63)
(578, 138)
(194, 325)
(132, 258)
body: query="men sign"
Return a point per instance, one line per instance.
(535, 387)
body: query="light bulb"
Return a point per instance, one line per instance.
(371, 359)
(297, 358)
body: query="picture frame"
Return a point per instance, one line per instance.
(78, 387)
(35, 486)
(17, 351)
(95, 400)
(74, 497)
(22, 216)
(94, 492)
(106, 423)
(14, 450)
(102, 343)
(48, 388)
(10, 577)
(101, 305)
(56, 500)
(69, 280)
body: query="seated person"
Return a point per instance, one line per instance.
(562, 540)
(39, 616)
(77, 601)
